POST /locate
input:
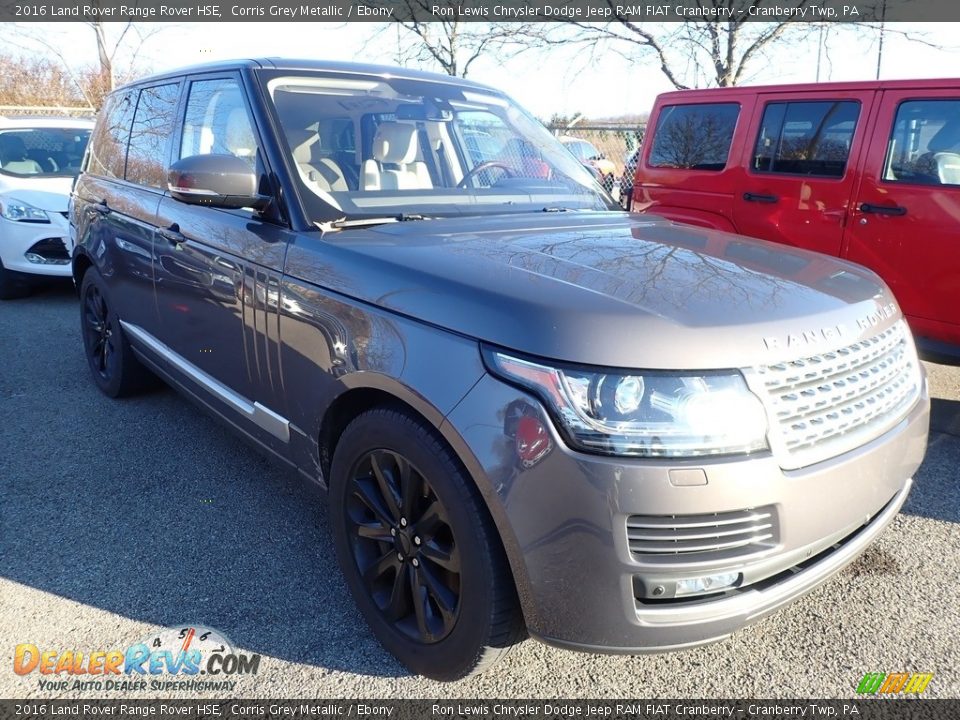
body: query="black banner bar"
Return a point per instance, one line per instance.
(803, 11)
(861, 709)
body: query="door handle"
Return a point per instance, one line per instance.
(173, 234)
(755, 197)
(101, 208)
(883, 209)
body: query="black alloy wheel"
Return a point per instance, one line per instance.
(98, 333)
(418, 549)
(403, 546)
(115, 369)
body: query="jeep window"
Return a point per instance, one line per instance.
(149, 146)
(369, 147)
(806, 138)
(924, 144)
(42, 151)
(108, 148)
(694, 137)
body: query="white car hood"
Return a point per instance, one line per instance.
(49, 196)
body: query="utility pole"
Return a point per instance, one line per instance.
(883, 17)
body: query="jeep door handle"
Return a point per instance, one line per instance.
(173, 234)
(883, 209)
(101, 208)
(754, 197)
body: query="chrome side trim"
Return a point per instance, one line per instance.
(262, 416)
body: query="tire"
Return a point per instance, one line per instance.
(12, 284)
(114, 367)
(447, 553)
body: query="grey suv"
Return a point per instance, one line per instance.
(534, 413)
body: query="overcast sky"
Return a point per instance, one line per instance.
(558, 81)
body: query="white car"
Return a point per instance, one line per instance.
(39, 158)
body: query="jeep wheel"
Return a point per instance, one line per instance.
(418, 549)
(115, 369)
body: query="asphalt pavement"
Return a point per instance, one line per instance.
(118, 518)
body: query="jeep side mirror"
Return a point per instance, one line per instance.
(223, 181)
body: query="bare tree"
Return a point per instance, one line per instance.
(453, 44)
(714, 53)
(35, 81)
(94, 80)
(690, 53)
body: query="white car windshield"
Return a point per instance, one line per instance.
(42, 151)
(368, 147)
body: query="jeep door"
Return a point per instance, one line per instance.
(218, 270)
(906, 216)
(801, 167)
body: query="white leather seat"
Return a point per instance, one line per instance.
(320, 171)
(943, 154)
(13, 157)
(238, 135)
(394, 165)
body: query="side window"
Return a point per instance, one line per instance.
(108, 147)
(924, 144)
(153, 125)
(217, 122)
(806, 138)
(694, 137)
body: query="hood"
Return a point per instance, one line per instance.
(610, 289)
(52, 195)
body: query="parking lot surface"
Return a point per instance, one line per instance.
(118, 518)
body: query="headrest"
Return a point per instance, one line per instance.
(946, 139)
(302, 142)
(12, 147)
(395, 143)
(238, 134)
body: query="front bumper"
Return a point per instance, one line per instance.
(563, 520)
(37, 248)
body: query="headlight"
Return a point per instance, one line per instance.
(644, 413)
(21, 212)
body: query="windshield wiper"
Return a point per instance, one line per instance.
(365, 221)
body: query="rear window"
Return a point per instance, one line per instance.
(108, 148)
(694, 137)
(153, 124)
(806, 138)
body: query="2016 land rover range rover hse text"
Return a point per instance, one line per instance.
(533, 412)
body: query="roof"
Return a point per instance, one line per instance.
(332, 66)
(924, 84)
(35, 121)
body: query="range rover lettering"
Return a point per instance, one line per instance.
(533, 413)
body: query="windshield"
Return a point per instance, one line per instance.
(42, 152)
(368, 146)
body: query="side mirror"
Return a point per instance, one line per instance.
(222, 181)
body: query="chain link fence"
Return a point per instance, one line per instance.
(70, 111)
(608, 150)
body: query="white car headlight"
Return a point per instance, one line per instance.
(22, 212)
(644, 413)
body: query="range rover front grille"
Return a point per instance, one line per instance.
(824, 405)
(708, 537)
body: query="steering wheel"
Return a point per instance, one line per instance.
(488, 164)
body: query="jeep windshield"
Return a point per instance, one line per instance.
(369, 147)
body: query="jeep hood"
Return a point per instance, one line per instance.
(610, 289)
